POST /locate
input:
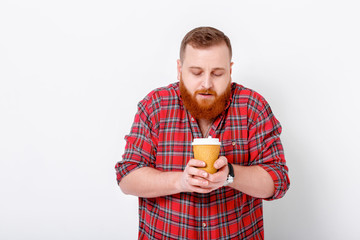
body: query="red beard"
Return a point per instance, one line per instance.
(204, 109)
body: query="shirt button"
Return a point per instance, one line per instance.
(233, 143)
(204, 225)
(192, 119)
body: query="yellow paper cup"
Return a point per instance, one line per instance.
(207, 150)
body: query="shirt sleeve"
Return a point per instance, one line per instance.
(266, 149)
(140, 148)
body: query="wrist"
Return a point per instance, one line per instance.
(178, 186)
(230, 176)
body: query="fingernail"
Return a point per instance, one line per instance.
(204, 174)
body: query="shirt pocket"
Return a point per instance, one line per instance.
(236, 151)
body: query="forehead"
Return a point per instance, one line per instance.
(217, 56)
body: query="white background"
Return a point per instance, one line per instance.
(72, 72)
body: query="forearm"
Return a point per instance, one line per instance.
(149, 182)
(253, 180)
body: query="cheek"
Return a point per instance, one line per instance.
(221, 86)
(191, 89)
(191, 84)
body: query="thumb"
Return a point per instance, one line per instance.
(221, 162)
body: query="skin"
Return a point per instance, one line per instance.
(204, 69)
(200, 69)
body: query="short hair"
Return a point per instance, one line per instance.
(204, 37)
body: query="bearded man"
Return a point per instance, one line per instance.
(177, 199)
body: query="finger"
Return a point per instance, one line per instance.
(198, 181)
(197, 172)
(210, 187)
(216, 179)
(221, 162)
(196, 163)
(219, 176)
(201, 190)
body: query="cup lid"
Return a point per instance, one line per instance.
(206, 141)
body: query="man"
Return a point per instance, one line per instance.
(177, 200)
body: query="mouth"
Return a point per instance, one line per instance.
(205, 96)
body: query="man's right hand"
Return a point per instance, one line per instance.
(148, 182)
(193, 179)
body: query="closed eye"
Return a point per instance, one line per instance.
(217, 74)
(196, 73)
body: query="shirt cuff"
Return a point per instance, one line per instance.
(280, 178)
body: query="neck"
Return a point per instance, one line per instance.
(205, 125)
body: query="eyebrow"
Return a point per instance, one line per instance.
(199, 68)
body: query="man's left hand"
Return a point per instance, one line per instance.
(218, 179)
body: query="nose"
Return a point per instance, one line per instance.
(207, 82)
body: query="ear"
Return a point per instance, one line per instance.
(231, 64)
(179, 65)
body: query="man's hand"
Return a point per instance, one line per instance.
(197, 180)
(193, 179)
(218, 179)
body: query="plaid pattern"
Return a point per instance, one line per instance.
(161, 138)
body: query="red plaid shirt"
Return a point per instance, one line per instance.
(161, 138)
